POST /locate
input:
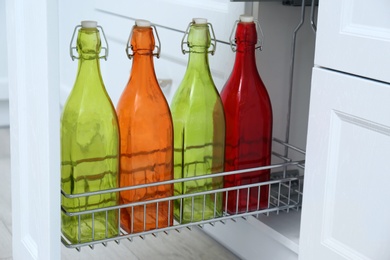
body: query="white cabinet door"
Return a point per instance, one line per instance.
(354, 36)
(4, 117)
(346, 180)
(32, 39)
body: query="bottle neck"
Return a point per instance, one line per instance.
(142, 64)
(143, 45)
(89, 68)
(88, 45)
(246, 39)
(199, 43)
(198, 61)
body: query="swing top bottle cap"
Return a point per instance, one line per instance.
(88, 24)
(199, 20)
(246, 18)
(142, 23)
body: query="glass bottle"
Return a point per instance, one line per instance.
(146, 132)
(89, 145)
(199, 131)
(248, 115)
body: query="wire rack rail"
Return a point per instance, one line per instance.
(284, 193)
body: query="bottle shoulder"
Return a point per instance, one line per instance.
(142, 97)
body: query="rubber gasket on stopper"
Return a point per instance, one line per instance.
(199, 20)
(246, 19)
(88, 24)
(142, 23)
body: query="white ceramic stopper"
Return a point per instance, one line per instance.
(88, 24)
(142, 23)
(246, 18)
(199, 20)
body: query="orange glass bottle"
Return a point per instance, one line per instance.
(146, 136)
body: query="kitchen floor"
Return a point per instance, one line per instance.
(184, 245)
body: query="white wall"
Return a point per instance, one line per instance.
(4, 112)
(278, 23)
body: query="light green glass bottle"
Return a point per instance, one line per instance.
(89, 146)
(199, 131)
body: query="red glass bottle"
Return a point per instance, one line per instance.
(248, 115)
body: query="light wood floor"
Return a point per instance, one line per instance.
(184, 245)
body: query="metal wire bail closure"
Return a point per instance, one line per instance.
(213, 39)
(129, 46)
(72, 48)
(260, 36)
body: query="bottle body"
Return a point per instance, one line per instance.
(89, 149)
(199, 136)
(248, 115)
(146, 141)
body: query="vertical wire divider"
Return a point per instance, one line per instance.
(289, 195)
(119, 223)
(157, 214)
(106, 224)
(299, 190)
(284, 172)
(215, 204)
(215, 207)
(169, 214)
(269, 198)
(258, 200)
(143, 236)
(291, 79)
(225, 205)
(132, 220)
(312, 14)
(93, 229)
(226, 201)
(192, 208)
(278, 199)
(79, 228)
(180, 213)
(237, 199)
(169, 217)
(204, 206)
(144, 217)
(247, 199)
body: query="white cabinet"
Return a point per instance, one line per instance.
(344, 214)
(353, 37)
(33, 75)
(346, 178)
(4, 113)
